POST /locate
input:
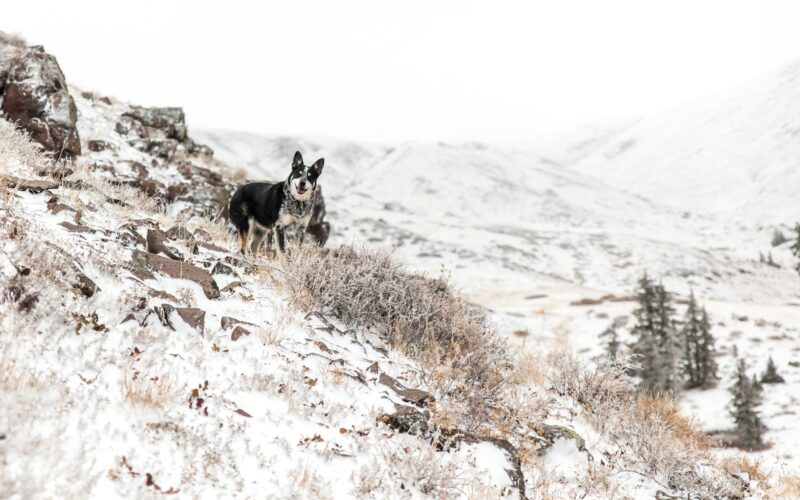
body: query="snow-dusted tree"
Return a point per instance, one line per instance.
(699, 365)
(746, 399)
(612, 342)
(655, 342)
(796, 246)
(778, 238)
(771, 375)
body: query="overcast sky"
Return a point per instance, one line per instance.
(392, 71)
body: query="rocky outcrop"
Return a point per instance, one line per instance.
(170, 121)
(36, 98)
(160, 132)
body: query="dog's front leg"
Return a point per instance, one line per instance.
(281, 237)
(301, 236)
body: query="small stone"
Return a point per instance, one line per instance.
(77, 228)
(193, 316)
(414, 396)
(238, 332)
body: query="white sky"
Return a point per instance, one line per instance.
(390, 71)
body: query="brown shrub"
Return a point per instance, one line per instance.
(656, 439)
(465, 361)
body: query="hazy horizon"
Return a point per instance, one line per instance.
(453, 71)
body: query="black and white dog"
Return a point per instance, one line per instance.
(259, 208)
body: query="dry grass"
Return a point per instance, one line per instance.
(18, 153)
(786, 487)
(666, 408)
(150, 391)
(603, 384)
(465, 362)
(656, 440)
(13, 39)
(742, 464)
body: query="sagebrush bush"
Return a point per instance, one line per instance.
(419, 315)
(658, 441)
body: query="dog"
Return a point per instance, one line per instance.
(258, 209)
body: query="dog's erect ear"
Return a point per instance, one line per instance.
(298, 159)
(317, 166)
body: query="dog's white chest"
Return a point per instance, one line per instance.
(287, 220)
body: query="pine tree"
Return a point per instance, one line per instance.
(749, 428)
(705, 359)
(699, 365)
(643, 347)
(796, 247)
(613, 344)
(771, 375)
(655, 339)
(668, 342)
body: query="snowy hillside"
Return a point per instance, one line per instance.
(141, 355)
(553, 240)
(735, 153)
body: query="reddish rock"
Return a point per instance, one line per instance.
(178, 233)
(226, 322)
(178, 269)
(36, 98)
(238, 332)
(77, 228)
(192, 316)
(155, 244)
(98, 145)
(414, 396)
(34, 186)
(56, 208)
(56, 170)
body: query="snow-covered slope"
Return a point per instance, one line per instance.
(140, 355)
(692, 196)
(735, 153)
(512, 222)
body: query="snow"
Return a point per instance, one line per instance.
(565, 461)
(691, 196)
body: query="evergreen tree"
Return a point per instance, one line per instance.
(770, 261)
(668, 342)
(771, 375)
(778, 238)
(749, 428)
(655, 339)
(699, 365)
(613, 344)
(796, 247)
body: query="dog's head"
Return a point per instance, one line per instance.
(303, 179)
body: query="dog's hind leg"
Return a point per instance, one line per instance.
(251, 234)
(243, 242)
(258, 237)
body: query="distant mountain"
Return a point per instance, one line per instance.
(737, 153)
